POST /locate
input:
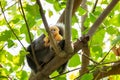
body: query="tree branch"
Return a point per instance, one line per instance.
(68, 13)
(75, 6)
(83, 4)
(94, 7)
(11, 28)
(52, 40)
(85, 48)
(100, 19)
(47, 69)
(33, 52)
(114, 70)
(85, 61)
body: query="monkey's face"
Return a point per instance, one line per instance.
(54, 30)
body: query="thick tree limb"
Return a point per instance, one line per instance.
(85, 48)
(100, 19)
(68, 13)
(85, 61)
(49, 68)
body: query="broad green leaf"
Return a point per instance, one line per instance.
(55, 73)
(16, 19)
(74, 19)
(92, 18)
(62, 77)
(74, 61)
(4, 72)
(10, 43)
(9, 56)
(74, 34)
(87, 76)
(111, 30)
(87, 22)
(56, 6)
(81, 11)
(115, 20)
(33, 11)
(5, 35)
(97, 51)
(98, 37)
(22, 75)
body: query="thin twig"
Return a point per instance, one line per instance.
(9, 7)
(33, 52)
(68, 15)
(90, 59)
(2, 47)
(100, 19)
(83, 18)
(11, 28)
(52, 41)
(106, 54)
(94, 7)
(66, 72)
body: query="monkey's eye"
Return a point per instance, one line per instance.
(52, 29)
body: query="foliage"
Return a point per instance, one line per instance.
(12, 55)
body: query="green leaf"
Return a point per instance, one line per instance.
(57, 6)
(16, 19)
(50, 13)
(98, 37)
(10, 43)
(28, 38)
(3, 56)
(22, 75)
(74, 34)
(33, 11)
(116, 40)
(50, 1)
(111, 30)
(23, 29)
(81, 11)
(74, 61)
(87, 76)
(3, 3)
(92, 17)
(5, 35)
(115, 20)
(97, 51)
(4, 72)
(74, 19)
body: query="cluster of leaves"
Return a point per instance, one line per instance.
(12, 65)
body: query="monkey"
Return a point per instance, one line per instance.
(43, 52)
(57, 36)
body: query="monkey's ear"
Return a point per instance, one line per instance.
(61, 27)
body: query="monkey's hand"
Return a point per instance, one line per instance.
(46, 41)
(58, 38)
